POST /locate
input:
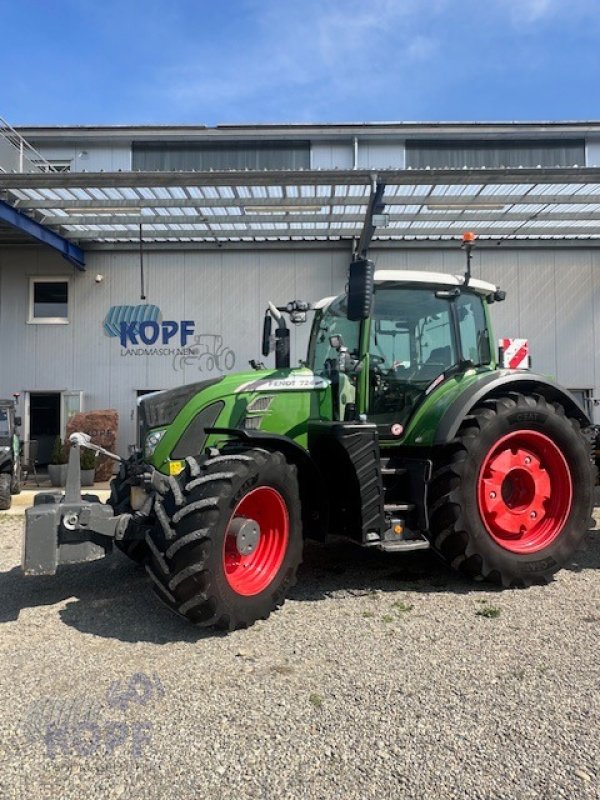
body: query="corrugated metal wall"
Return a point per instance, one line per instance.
(90, 157)
(553, 299)
(331, 155)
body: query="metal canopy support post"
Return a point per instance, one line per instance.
(43, 234)
(376, 206)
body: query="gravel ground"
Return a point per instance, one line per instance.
(382, 677)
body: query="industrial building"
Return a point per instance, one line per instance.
(192, 230)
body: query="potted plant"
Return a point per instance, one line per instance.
(87, 462)
(57, 468)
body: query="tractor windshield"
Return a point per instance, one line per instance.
(4, 422)
(417, 336)
(322, 355)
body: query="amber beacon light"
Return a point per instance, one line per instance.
(468, 242)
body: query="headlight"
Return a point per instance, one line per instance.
(152, 441)
(4, 449)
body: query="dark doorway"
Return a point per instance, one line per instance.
(44, 422)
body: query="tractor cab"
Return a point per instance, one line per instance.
(422, 328)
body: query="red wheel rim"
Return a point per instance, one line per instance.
(251, 574)
(524, 492)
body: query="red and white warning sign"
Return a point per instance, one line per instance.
(515, 353)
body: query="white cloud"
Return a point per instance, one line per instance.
(531, 11)
(332, 59)
(310, 49)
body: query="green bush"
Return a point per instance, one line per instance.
(87, 459)
(60, 452)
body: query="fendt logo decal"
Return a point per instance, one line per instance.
(291, 383)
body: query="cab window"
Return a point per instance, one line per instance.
(473, 329)
(332, 321)
(412, 342)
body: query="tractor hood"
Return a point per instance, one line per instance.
(175, 423)
(159, 409)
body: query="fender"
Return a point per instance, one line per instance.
(315, 506)
(493, 385)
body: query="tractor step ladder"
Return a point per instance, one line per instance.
(399, 506)
(403, 545)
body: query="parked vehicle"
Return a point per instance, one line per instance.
(399, 430)
(10, 449)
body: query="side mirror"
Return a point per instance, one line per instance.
(282, 348)
(297, 310)
(266, 337)
(361, 284)
(497, 297)
(18, 422)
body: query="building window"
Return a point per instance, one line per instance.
(495, 153)
(168, 156)
(49, 300)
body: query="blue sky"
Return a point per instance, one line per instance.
(210, 62)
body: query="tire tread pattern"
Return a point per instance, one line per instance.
(449, 537)
(184, 539)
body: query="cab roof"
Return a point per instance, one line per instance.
(439, 279)
(412, 277)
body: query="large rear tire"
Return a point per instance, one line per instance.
(511, 501)
(5, 498)
(228, 538)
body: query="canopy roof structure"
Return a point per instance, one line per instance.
(212, 208)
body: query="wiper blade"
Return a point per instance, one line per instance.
(454, 369)
(459, 366)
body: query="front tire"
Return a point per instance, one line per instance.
(228, 540)
(5, 498)
(512, 499)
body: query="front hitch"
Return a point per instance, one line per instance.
(70, 528)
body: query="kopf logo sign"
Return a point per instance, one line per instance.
(143, 325)
(148, 332)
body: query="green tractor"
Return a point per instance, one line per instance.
(399, 431)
